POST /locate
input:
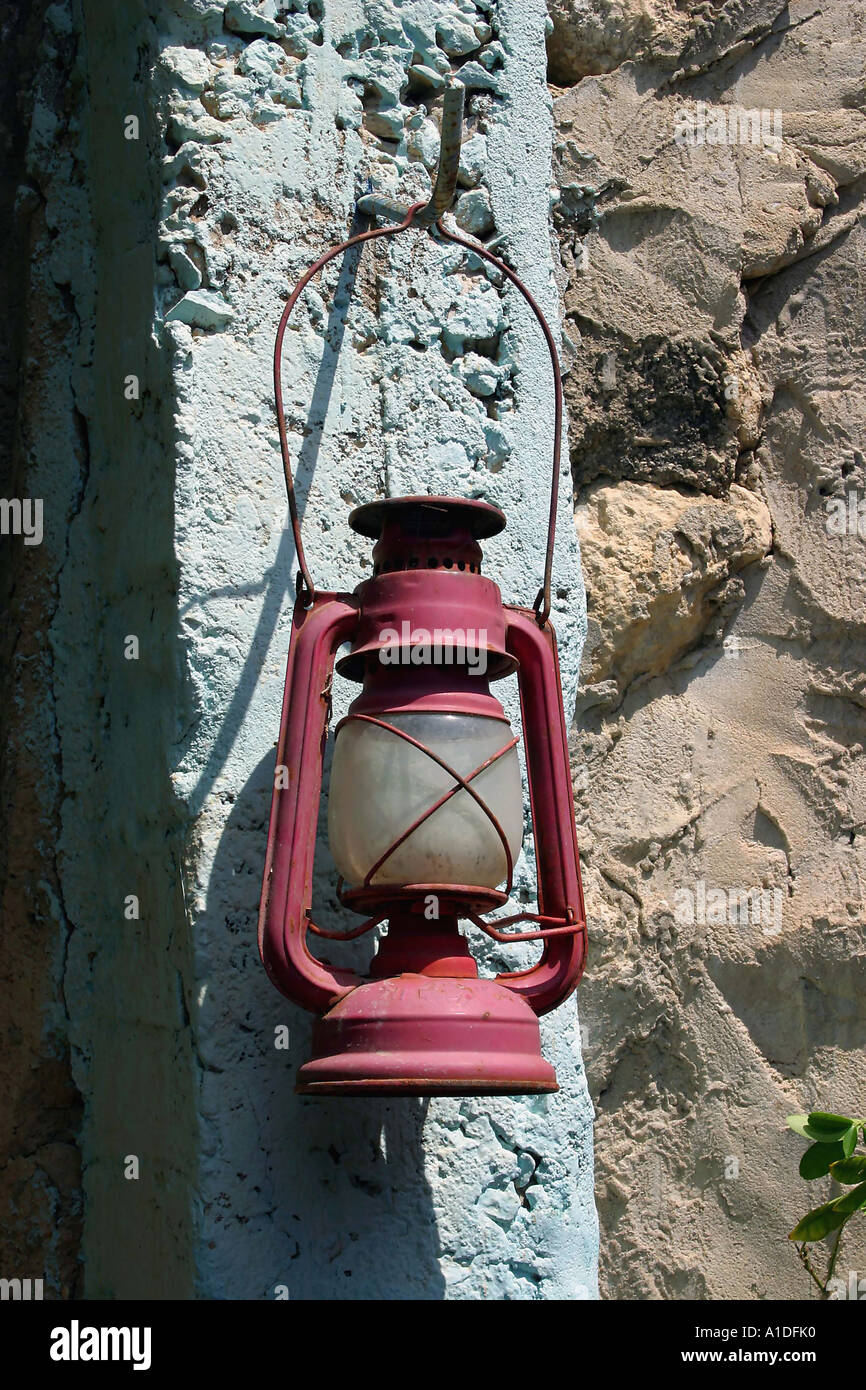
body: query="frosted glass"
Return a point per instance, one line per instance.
(380, 784)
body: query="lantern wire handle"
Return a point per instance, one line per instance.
(422, 214)
(541, 607)
(306, 588)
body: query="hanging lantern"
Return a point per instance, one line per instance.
(425, 812)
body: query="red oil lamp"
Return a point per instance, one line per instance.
(425, 809)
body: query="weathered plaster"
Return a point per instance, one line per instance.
(119, 835)
(273, 131)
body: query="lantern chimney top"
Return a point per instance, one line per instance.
(428, 517)
(416, 533)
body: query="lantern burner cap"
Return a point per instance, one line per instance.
(428, 517)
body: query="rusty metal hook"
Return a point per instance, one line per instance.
(445, 184)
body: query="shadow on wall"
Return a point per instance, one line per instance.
(305, 1198)
(300, 1198)
(278, 579)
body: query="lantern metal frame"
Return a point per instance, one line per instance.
(478, 1036)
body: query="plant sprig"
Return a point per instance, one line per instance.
(832, 1151)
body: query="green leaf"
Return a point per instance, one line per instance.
(818, 1223)
(827, 1128)
(824, 1128)
(798, 1124)
(816, 1161)
(855, 1200)
(849, 1170)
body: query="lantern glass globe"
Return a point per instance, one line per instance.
(381, 784)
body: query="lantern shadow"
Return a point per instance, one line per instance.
(278, 579)
(325, 1198)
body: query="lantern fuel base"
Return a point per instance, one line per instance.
(425, 813)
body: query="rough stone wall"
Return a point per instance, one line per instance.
(714, 308)
(713, 317)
